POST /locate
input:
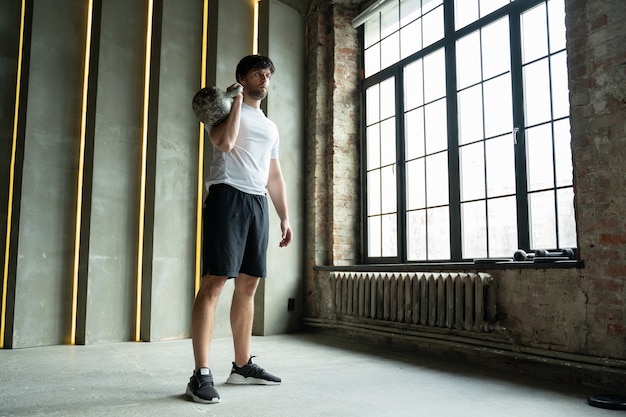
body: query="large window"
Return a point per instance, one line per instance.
(466, 130)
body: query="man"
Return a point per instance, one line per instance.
(236, 227)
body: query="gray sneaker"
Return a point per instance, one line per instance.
(200, 387)
(251, 374)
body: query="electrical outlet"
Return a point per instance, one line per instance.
(291, 304)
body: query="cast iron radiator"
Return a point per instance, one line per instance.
(463, 301)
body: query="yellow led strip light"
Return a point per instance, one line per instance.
(144, 150)
(255, 29)
(205, 26)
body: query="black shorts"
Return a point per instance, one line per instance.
(235, 233)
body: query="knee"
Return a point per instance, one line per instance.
(211, 287)
(246, 286)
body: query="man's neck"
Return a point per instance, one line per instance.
(252, 102)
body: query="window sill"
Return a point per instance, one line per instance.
(482, 265)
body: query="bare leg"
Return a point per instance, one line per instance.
(242, 316)
(203, 318)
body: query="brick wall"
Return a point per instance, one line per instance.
(331, 154)
(597, 64)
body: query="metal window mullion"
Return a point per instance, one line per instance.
(454, 175)
(401, 209)
(401, 233)
(519, 130)
(364, 214)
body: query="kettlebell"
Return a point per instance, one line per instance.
(212, 105)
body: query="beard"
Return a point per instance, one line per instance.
(257, 93)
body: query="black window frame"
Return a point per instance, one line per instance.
(514, 11)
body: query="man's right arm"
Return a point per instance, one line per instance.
(224, 135)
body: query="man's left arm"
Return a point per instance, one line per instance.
(278, 193)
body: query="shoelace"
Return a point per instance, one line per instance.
(256, 369)
(203, 380)
(251, 368)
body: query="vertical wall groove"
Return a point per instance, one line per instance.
(85, 175)
(80, 171)
(152, 115)
(15, 176)
(143, 172)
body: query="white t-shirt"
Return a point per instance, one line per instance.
(246, 167)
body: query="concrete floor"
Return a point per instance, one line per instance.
(321, 377)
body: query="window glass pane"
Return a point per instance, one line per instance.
(500, 166)
(496, 48)
(372, 60)
(539, 158)
(563, 153)
(416, 235)
(474, 229)
(389, 18)
(567, 222)
(534, 34)
(374, 234)
(409, 11)
(371, 32)
(428, 5)
(411, 39)
(488, 6)
(502, 226)
(556, 24)
(413, 85)
(388, 142)
(373, 104)
(415, 185)
(414, 133)
(438, 231)
(437, 179)
(470, 108)
(498, 106)
(465, 12)
(387, 98)
(560, 89)
(390, 48)
(537, 92)
(373, 193)
(434, 76)
(542, 220)
(433, 26)
(373, 147)
(436, 127)
(472, 166)
(388, 189)
(389, 235)
(468, 67)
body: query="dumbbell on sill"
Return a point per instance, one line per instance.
(543, 255)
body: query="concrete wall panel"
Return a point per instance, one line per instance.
(173, 271)
(47, 223)
(116, 182)
(283, 35)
